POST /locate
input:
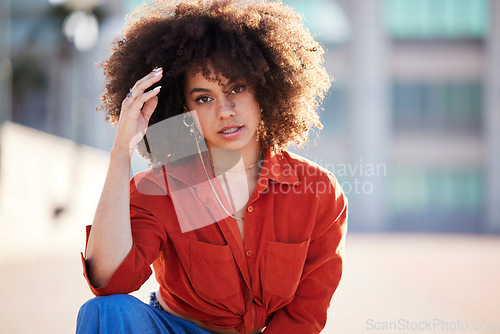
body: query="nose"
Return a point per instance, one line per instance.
(225, 107)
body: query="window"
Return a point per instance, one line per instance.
(333, 115)
(324, 18)
(453, 106)
(425, 19)
(436, 199)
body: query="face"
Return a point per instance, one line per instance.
(227, 112)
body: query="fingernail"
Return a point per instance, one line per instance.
(157, 74)
(157, 69)
(157, 88)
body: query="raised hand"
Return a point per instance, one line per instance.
(136, 110)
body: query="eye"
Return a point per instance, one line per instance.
(237, 89)
(203, 99)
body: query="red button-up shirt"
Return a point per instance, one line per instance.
(283, 274)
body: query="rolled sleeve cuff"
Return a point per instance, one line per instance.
(126, 278)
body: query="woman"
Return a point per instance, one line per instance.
(244, 236)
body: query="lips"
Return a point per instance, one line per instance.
(231, 132)
(230, 129)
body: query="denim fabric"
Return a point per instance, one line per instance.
(117, 314)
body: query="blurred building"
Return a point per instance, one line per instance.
(411, 125)
(417, 92)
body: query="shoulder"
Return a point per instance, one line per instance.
(297, 160)
(320, 184)
(313, 177)
(306, 168)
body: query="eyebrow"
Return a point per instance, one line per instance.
(199, 90)
(205, 90)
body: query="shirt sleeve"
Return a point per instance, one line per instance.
(149, 238)
(307, 312)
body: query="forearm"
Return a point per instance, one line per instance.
(110, 239)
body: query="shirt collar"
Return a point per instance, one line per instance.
(189, 169)
(277, 168)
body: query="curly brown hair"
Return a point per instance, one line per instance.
(263, 41)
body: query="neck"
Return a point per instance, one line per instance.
(230, 159)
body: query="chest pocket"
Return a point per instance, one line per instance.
(213, 271)
(284, 265)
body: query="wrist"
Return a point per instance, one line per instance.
(118, 152)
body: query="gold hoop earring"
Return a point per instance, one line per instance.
(190, 126)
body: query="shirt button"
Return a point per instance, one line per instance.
(249, 253)
(250, 208)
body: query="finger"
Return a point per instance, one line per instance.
(127, 101)
(144, 83)
(153, 74)
(134, 110)
(141, 100)
(141, 85)
(149, 108)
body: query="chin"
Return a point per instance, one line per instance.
(239, 145)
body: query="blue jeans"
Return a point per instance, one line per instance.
(118, 314)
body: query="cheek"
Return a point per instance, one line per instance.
(257, 115)
(197, 121)
(252, 106)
